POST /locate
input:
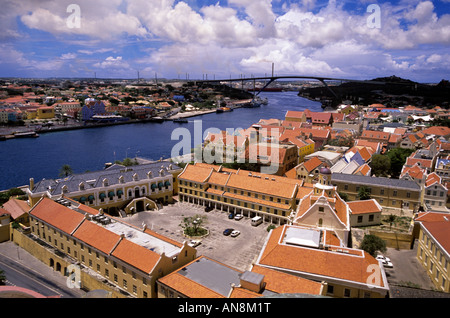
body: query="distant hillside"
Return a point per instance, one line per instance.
(390, 91)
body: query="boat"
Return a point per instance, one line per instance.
(26, 134)
(252, 104)
(158, 119)
(180, 120)
(224, 109)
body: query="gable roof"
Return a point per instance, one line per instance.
(57, 215)
(97, 236)
(364, 206)
(136, 255)
(318, 263)
(16, 207)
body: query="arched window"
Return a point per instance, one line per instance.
(81, 186)
(320, 222)
(105, 182)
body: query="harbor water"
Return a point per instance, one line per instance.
(89, 149)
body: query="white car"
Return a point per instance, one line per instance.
(194, 243)
(238, 217)
(235, 233)
(383, 258)
(386, 261)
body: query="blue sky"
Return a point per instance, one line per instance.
(223, 38)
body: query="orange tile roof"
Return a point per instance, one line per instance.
(364, 206)
(195, 173)
(16, 207)
(440, 230)
(97, 236)
(136, 255)
(261, 185)
(432, 178)
(351, 267)
(437, 130)
(283, 283)
(57, 215)
(312, 163)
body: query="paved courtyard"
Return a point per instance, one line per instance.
(238, 252)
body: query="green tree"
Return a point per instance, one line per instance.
(381, 165)
(373, 244)
(364, 193)
(397, 157)
(65, 171)
(344, 196)
(192, 225)
(391, 219)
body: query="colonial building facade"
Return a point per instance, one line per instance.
(117, 188)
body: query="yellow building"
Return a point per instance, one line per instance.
(390, 193)
(433, 251)
(115, 189)
(312, 253)
(129, 259)
(240, 192)
(45, 112)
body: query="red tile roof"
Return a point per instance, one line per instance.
(57, 215)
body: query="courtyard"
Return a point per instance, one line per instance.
(238, 252)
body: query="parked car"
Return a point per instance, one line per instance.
(194, 243)
(235, 233)
(383, 258)
(231, 216)
(208, 208)
(238, 217)
(227, 232)
(386, 261)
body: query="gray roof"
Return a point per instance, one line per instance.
(212, 275)
(376, 181)
(95, 179)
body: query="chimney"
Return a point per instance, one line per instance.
(252, 281)
(31, 184)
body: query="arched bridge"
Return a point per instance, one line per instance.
(271, 79)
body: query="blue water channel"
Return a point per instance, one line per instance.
(89, 149)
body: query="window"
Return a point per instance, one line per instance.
(321, 209)
(347, 292)
(360, 218)
(371, 218)
(330, 289)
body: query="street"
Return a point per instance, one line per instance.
(23, 270)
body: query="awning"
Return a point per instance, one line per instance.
(91, 198)
(83, 199)
(160, 185)
(154, 186)
(102, 195)
(119, 192)
(167, 184)
(111, 193)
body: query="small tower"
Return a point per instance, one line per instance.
(324, 183)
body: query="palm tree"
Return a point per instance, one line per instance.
(391, 219)
(364, 193)
(65, 171)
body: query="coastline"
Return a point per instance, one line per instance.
(7, 133)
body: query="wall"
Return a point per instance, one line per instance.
(44, 255)
(395, 240)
